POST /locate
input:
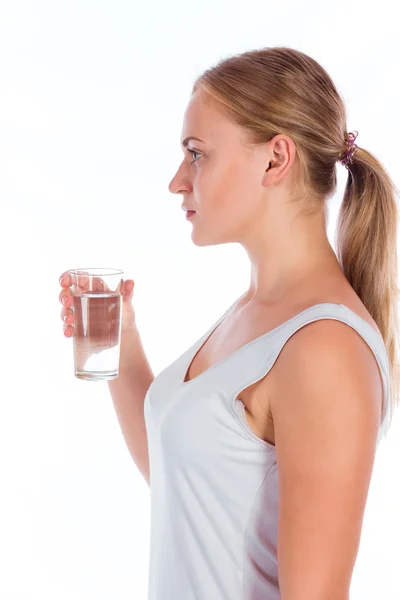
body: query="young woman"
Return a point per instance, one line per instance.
(260, 439)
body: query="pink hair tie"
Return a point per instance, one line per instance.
(351, 149)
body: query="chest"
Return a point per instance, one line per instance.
(256, 398)
(234, 332)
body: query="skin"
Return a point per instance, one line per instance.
(240, 195)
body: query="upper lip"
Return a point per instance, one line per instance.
(187, 208)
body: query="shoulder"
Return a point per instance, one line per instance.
(327, 363)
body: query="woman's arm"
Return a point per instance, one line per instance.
(326, 406)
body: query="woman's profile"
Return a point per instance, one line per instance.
(260, 440)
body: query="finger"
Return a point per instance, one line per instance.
(87, 283)
(99, 285)
(67, 316)
(68, 330)
(80, 282)
(67, 294)
(128, 287)
(65, 279)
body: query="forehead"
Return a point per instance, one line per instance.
(203, 119)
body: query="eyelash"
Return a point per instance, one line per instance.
(193, 152)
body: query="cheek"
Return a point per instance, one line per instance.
(233, 195)
(222, 189)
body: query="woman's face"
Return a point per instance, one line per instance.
(220, 178)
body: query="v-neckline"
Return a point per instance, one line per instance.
(197, 346)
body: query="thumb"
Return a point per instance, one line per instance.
(128, 288)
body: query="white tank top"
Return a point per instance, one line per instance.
(214, 483)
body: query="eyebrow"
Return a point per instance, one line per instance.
(191, 137)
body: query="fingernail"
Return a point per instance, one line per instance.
(64, 300)
(65, 317)
(61, 279)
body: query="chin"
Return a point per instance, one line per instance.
(209, 240)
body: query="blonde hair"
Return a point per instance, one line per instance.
(281, 90)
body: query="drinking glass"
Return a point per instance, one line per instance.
(97, 308)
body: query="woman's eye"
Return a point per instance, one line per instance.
(194, 152)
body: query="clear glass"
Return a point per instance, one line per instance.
(97, 308)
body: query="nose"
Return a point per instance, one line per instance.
(179, 183)
(171, 186)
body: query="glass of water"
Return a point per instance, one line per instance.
(97, 308)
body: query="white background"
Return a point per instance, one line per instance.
(92, 96)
